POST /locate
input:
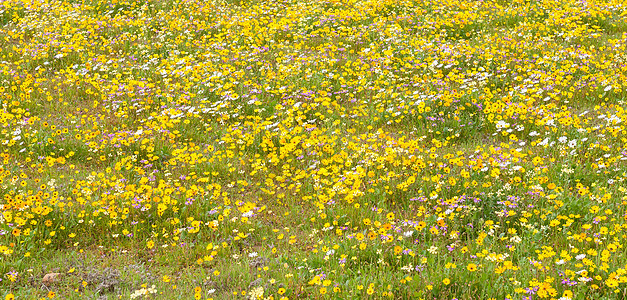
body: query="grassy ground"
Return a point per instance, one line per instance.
(313, 149)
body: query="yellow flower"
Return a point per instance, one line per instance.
(446, 281)
(611, 282)
(471, 267)
(567, 294)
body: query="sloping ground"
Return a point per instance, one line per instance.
(292, 149)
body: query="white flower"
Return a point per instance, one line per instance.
(563, 139)
(256, 293)
(433, 250)
(143, 292)
(607, 88)
(515, 239)
(501, 124)
(407, 268)
(253, 254)
(567, 170)
(580, 256)
(572, 144)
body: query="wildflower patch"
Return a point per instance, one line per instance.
(313, 149)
